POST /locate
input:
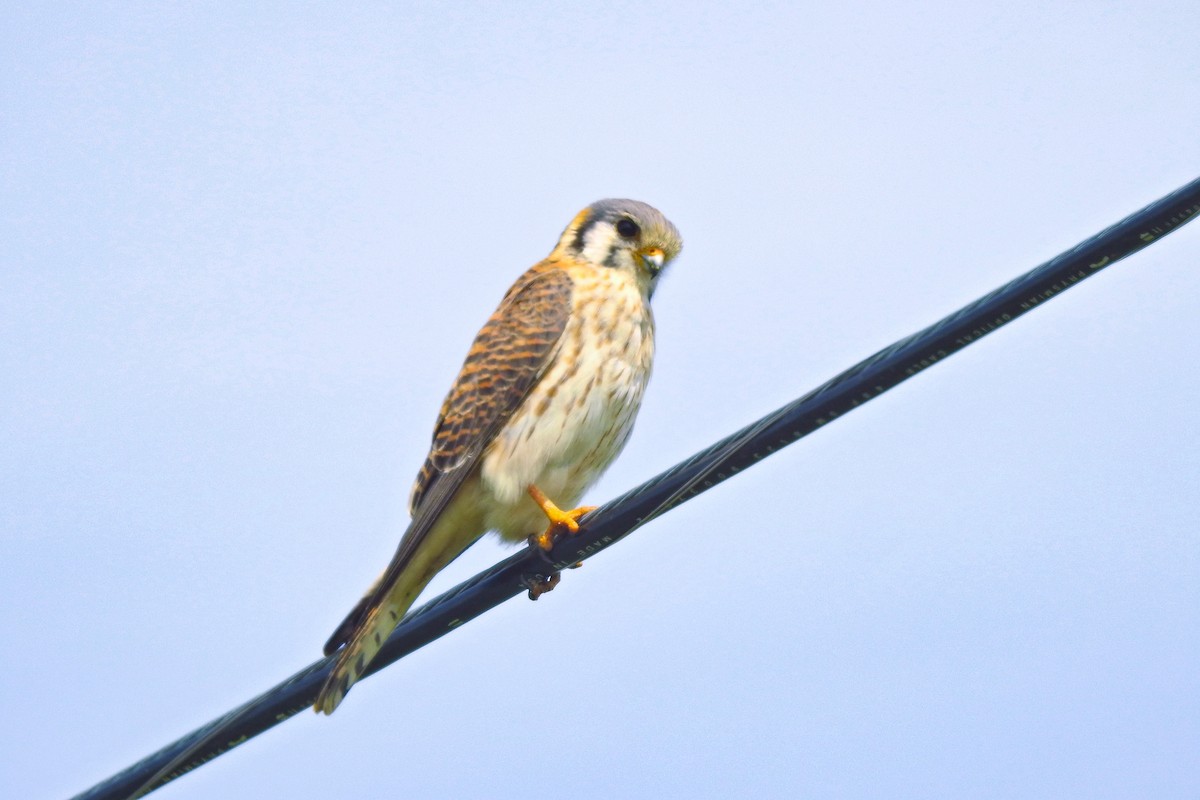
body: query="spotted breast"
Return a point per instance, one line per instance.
(578, 417)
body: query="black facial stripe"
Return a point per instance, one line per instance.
(580, 240)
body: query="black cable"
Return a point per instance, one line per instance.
(618, 518)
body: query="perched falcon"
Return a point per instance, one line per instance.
(543, 404)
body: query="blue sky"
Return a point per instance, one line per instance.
(245, 251)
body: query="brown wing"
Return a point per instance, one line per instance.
(510, 353)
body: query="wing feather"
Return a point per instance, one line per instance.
(509, 354)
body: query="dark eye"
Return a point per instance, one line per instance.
(628, 228)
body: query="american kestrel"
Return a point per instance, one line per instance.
(544, 402)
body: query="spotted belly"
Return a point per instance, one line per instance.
(578, 417)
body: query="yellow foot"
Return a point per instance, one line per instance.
(538, 586)
(559, 519)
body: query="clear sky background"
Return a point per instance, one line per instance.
(244, 252)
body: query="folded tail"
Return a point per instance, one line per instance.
(373, 619)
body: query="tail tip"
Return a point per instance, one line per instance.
(331, 694)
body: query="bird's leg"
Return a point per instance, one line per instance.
(559, 519)
(538, 585)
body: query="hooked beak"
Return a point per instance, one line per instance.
(653, 258)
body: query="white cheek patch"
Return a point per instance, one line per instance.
(598, 244)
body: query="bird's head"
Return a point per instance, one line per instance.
(623, 234)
